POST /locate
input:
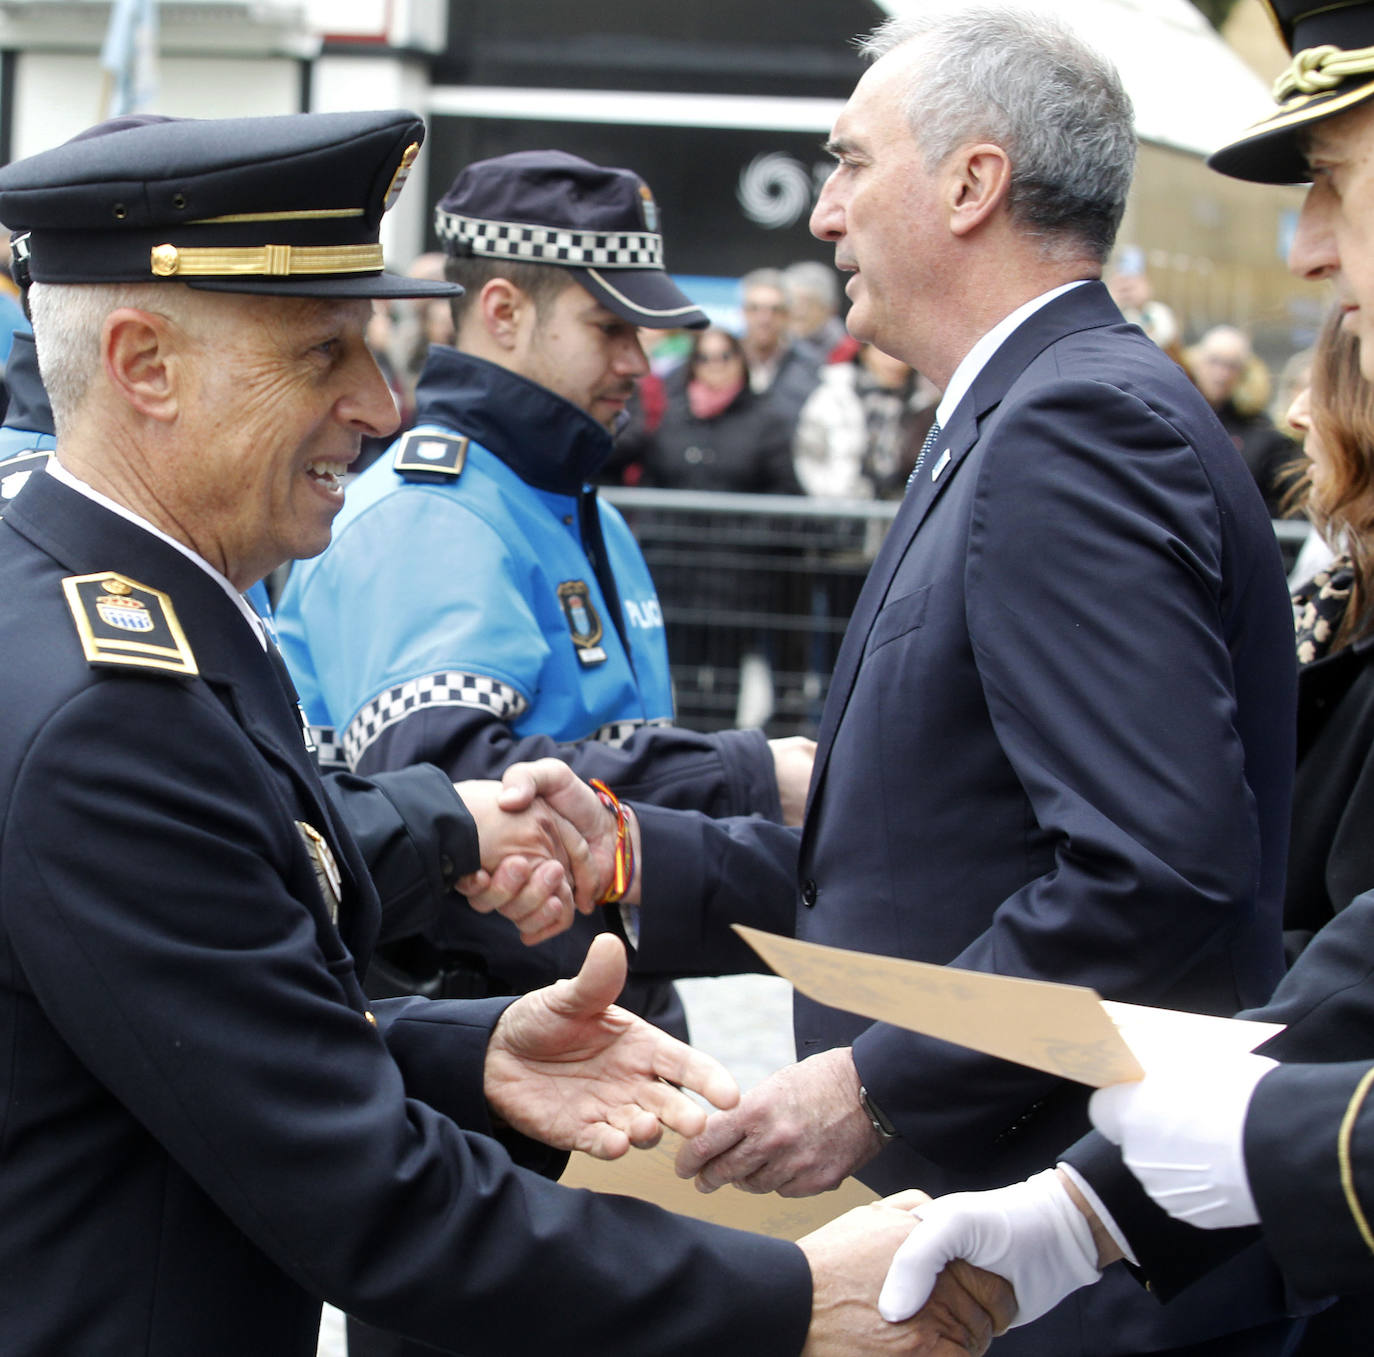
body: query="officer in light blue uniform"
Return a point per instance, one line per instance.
(530, 636)
(479, 604)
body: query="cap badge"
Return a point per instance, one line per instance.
(583, 623)
(124, 623)
(398, 180)
(646, 201)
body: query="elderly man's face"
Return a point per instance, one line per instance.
(881, 209)
(1335, 235)
(281, 393)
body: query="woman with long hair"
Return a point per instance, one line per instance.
(1331, 856)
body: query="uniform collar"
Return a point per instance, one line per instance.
(73, 482)
(83, 536)
(547, 441)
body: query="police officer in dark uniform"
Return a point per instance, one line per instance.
(206, 1126)
(412, 829)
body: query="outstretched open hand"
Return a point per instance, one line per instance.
(567, 1067)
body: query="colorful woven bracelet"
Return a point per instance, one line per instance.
(624, 872)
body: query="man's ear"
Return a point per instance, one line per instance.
(979, 182)
(140, 358)
(505, 312)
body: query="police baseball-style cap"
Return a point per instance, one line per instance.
(548, 207)
(1332, 70)
(287, 206)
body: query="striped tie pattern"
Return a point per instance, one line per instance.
(930, 440)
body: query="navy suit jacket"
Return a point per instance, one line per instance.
(205, 1126)
(1058, 743)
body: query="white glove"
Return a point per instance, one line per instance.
(1031, 1234)
(1181, 1132)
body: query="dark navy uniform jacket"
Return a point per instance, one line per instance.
(1310, 1199)
(1058, 744)
(202, 1131)
(414, 833)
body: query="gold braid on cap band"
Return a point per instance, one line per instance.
(1318, 70)
(272, 261)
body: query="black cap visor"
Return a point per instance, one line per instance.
(383, 285)
(645, 297)
(1271, 152)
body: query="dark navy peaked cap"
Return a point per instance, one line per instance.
(290, 206)
(1332, 43)
(598, 222)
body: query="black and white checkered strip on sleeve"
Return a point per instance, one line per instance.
(615, 733)
(552, 244)
(329, 752)
(446, 689)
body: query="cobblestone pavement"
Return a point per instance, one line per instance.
(745, 1021)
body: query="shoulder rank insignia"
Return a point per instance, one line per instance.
(15, 472)
(422, 456)
(326, 869)
(122, 622)
(583, 623)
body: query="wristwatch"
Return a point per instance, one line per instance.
(884, 1127)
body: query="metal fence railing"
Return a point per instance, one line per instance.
(756, 592)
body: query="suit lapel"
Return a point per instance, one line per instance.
(1084, 307)
(941, 466)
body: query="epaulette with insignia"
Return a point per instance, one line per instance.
(15, 472)
(122, 622)
(429, 456)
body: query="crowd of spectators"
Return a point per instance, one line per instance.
(778, 398)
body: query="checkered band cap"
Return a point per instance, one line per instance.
(445, 689)
(549, 244)
(599, 222)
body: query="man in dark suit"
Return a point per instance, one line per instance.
(1058, 741)
(207, 1127)
(1228, 1144)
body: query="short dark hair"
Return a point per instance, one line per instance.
(543, 284)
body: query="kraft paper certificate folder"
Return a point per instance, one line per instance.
(1063, 1029)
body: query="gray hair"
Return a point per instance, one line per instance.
(67, 323)
(810, 278)
(1026, 83)
(763, 278)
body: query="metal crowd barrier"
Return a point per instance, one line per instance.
(756, 591)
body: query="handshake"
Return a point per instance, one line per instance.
(548, 847)
(549, 841)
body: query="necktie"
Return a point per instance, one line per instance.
(929, 443)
